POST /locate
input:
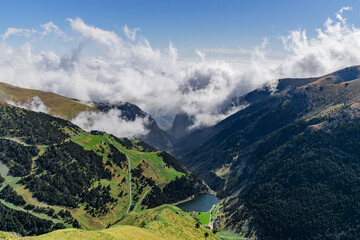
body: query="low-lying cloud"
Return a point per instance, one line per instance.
(35, 105)
(111, 122)
(156, 80)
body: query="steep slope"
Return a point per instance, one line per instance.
(54, 170)
(295, 98)
(306, 186)
(280, 159)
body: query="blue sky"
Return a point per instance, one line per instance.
(189, 24)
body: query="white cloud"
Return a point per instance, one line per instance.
(130, 33)
(35, 105)
(340, 12)
(110, 41)
(47, 28)
(227, 51)
(110, 122)
(50, 27)
(156, 80)
(17, 31)
(336, 46)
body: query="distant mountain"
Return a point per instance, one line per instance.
(180, 126)
(51, 169)
(155, 137)
(287, 164)
(164, 121)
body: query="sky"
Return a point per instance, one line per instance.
(188, 24)
(170, 57)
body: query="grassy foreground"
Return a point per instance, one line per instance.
(164, 222)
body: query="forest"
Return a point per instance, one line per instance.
(18, 122)
(10, 195)
(64, 175)
(306, 186)
(17, 157)
(24, 223)
(177, 190)
(58, 171)
(172, 162)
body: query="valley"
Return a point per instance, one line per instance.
(255, 161)
(189, 120)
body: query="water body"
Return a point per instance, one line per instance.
(201, 203)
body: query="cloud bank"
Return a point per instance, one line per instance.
(111, 122)
(130, 69)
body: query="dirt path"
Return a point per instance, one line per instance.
(16, 140)
(142, 198)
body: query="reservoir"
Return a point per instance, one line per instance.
(200, 203)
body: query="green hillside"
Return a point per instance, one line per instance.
(55, 171)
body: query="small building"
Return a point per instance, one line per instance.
(97, 132)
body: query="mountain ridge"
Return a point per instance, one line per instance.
(237, 157)
(69, 109)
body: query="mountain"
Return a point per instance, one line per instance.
(288, 163)
(164, 120)
(156, 137)
(56, 175)
(180, 126)
(182, 134)
(69, 109)
(285, 167)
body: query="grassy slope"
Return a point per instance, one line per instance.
(203, 217)
(159, 224)
(153, 167)
(59, 106)
(164, 222)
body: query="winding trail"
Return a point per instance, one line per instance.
(129, 179)
(142, 198)
(146, 193)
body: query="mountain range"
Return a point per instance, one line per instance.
(285, 167)
(287, 164)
